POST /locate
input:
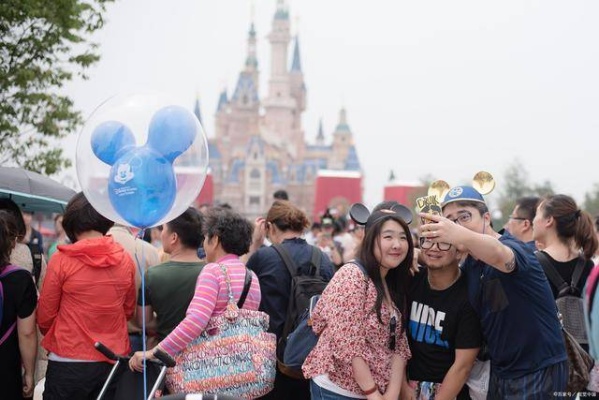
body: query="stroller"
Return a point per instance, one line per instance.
(128, 385)
(199, 396)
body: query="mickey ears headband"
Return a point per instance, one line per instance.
(483, 182)
(361, 216)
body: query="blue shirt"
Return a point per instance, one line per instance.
(275, 280)
(517, 311)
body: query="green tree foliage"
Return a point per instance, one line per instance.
(43, 45)
(591, 200)
(516, 184)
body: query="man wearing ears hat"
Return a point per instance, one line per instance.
(510, 293)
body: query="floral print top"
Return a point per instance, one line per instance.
(348, 326)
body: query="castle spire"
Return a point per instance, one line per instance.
(223, 100)
(342, 126)
(251, 61)
(196, 110)
(282, 10)
(320, 136)
(296, 65)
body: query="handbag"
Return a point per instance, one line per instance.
(234, 355)
(580, 364)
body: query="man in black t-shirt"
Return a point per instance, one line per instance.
(444, 332)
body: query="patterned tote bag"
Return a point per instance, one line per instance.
(235, 355)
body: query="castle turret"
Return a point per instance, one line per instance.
(343, 145)
(296, 77)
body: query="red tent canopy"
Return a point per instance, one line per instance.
(336, 185)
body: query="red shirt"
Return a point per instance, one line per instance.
(87, 296)
(348, 326)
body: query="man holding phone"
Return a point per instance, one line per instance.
(509, 291)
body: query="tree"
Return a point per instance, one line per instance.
(515, 185)
(591, 200)
(43, 45)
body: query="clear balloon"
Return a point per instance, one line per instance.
(142, 159)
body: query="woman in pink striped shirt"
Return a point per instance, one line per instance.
(227, 236)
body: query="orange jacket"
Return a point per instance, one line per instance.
(87, 296)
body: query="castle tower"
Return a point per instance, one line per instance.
(280, 117)
(343, 143)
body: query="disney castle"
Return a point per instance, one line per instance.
(260, 144)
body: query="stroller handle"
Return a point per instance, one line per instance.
(106, 351)
(165, 358)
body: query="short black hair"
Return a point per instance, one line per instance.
(188, 226)
(527, 207)
(281, 195)
(233, 231)
(80, 216)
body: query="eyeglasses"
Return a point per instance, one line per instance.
(392, 327)
(427, 244)
(160, 228)
(517, 218)
(463, 218)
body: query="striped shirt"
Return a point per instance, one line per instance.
(210, 300)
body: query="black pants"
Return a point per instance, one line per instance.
(76, 380)
(287, 388)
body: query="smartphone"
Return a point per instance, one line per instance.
(428, 205)
(313, 301)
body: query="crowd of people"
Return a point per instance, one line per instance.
(450, 309)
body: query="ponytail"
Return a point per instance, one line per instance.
(585, 236)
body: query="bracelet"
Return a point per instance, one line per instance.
(370, 391)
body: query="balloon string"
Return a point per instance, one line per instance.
(141, 268)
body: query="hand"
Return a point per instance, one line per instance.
(28, 385)
(407, 393)
(376, 396)
(136, 362)
(441, 229)
(259, 232)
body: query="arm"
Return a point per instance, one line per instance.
(28, 348)
(257, 238)
(148, 312)
(363, 377)
(49, 301)
(484, 247)
(130, 297)
(398, 367)
(407, 393)
(458, 374)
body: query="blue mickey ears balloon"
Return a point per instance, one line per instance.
(109, 139)
(142, 159)
(172, 131)
(142, 183)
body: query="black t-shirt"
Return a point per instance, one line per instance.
(566, 270)
(20, 300)
(441, 321)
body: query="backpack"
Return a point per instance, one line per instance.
(9, 269)
(569, 301)
(303, 288)
(570, 306)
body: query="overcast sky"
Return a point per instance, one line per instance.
(445, 88)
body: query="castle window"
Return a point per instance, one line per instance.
(255, 174)
(254, 200)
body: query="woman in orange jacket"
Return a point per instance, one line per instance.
(87, 296)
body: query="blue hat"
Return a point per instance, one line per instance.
(462, 193)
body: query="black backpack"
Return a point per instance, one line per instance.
(303, 287)
(569, 301)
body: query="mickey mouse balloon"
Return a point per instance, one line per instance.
(142, 159)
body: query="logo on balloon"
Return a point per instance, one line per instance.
(142, 185)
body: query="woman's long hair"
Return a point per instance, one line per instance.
(571, 223)
(397, 278)
(8, 237)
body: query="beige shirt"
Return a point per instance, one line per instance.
(144, 256)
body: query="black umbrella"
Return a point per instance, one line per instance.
(32, 191)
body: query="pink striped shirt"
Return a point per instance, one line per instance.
(210, 300)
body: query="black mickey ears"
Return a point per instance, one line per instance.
(361, 216)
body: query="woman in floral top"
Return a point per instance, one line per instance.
(362, 349)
